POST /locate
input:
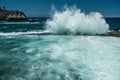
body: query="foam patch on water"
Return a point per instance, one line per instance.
(24, 33)
(73, 21)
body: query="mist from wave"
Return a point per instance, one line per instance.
(74, 21)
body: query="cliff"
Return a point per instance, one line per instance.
(12, 15)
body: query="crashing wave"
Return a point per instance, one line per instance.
(73, 21)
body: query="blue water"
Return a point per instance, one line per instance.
(114, 22)
(25, 56)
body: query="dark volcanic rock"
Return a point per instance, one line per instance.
(12, 15)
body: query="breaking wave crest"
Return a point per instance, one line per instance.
(73, 21)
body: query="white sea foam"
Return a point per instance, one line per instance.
(24, 33)
(73, 21)
(60, 57)
(75, 58)
(19, 23)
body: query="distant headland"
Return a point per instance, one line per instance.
(11, 14)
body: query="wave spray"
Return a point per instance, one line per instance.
(73, 21)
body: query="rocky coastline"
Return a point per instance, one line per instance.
(10, 15)
(113, 34)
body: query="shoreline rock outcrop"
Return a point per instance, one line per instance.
(11, 15)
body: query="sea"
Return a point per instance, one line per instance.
(30, 52)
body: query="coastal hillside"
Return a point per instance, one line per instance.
(11, 14)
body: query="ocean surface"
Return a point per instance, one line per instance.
(114, 22)
(28, 53)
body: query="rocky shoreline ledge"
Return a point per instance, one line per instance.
(11, 15)
(114, 34)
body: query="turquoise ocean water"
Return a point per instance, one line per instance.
(25, 54)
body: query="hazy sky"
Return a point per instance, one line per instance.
(38, 8)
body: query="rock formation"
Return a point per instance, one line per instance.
(11, 14)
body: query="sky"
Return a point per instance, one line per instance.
(38, 8)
